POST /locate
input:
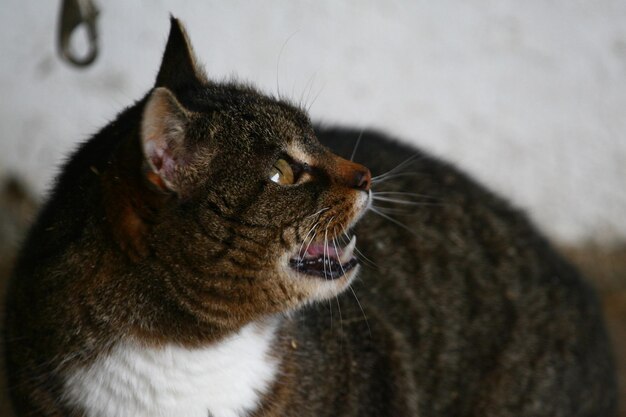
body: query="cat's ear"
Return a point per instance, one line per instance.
(179, 66)
(163, 129)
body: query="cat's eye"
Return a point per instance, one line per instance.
(282, 173)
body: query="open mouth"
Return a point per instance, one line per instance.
(326, 260)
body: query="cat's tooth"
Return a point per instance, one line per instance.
(346, 253)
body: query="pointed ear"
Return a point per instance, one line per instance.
(163, 129)
(179, 65)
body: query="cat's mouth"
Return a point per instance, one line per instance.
(325, 259)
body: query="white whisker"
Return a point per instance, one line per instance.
(360, 254)
(352, 290)
(308, 109)
(308, 87)
(398, 201)
(394, 176)
(344, 272)
(367, 260)
(391, 219)
(319, 212)
(403, 211)
(280, 54)
(398, 167)
(324, 247)
(300, 253)
(309, 244)
(356, 145)
(398, 193)
(367, 323)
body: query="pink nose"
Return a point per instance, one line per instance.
(363, 179)
(353, 175)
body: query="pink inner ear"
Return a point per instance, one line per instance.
(163, 135)
(161, 159)
(154, 154)
(168, 167)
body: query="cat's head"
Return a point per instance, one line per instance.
(258, 213)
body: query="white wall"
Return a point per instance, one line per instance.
(528, 96)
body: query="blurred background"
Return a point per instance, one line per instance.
(529, 97)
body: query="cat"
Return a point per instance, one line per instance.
(197, 257)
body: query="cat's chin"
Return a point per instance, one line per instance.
(325, 260)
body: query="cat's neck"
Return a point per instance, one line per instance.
(227, 378)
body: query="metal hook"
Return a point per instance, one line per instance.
(73, 14)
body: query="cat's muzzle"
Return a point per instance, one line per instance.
(325, 259)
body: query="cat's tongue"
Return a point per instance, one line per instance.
(326, 260)
(329, 250)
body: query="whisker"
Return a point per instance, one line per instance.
(367, 323)
(356, 145)
(391, 219)
(344, 272)
(403, 211)
(403, 193)
(300, 253)
(319, 212)
(365, 259)
(360, 254)
(399, 166)
(404, 202)
(414, 199)
(352, 290)
(308, 87)
(309, 244)
(330, 306)
(337, 253)
(308, 109)
(325, 248)
(385, 178)
(280, 54)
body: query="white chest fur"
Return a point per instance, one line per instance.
(225, 379)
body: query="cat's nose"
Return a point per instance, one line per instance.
(354, 175)
(363, 179)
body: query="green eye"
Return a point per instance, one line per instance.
(282, 173)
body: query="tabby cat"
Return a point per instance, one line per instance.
(197, 257)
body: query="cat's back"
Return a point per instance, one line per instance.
(468, 294)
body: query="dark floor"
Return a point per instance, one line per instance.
(607, 270)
